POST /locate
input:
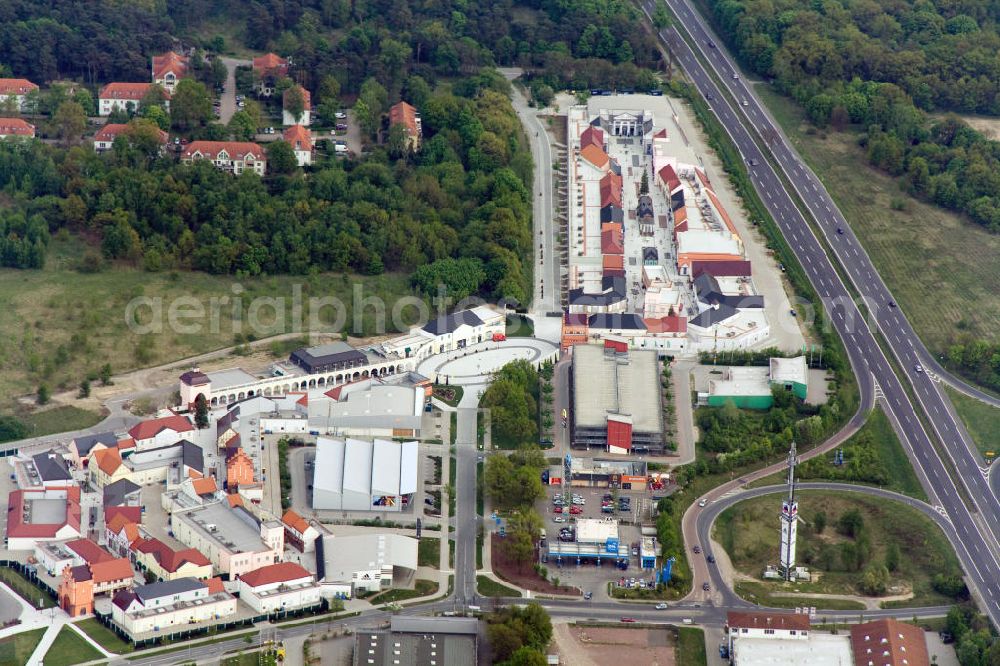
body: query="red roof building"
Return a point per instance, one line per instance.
(234, 156)
(17, 87)
(406, 115)
(668, 324)
(123, 96)
(611, 190)
(88, 551)
(888, 642)
(239, 470)
(281, 572)
(300, 139)
(105, 137)
(612, 238)
(592, 136)
(595, 156)
(162, 431)
(47, 514)
(669, 178)
(169, 68)
(16, 127)
(619, 425)
(270, 64)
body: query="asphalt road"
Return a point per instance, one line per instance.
(466, 520)
(976, 541)
(546, 297)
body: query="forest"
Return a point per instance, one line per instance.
(884, 68)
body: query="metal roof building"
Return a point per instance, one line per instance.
(442, 641)
(358, 475)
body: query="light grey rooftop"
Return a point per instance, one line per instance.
(610, 383)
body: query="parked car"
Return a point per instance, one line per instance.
(340, 115)
(706, 587)
(575, 510)
(628, 619)
(587, 596)
(558, 519)
(557, 509)
(696, 549)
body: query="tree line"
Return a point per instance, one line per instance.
(463, 195)
(882, 68)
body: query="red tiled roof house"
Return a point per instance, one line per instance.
(234, 156)
(123, 96)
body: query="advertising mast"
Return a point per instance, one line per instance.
(789, 519)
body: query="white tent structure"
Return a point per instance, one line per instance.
(358, 475)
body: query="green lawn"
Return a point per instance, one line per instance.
(981, 420)
(878, 434)
(421, 588)
(58, 324)
(763, 595)
(748, 531)
(691, 647)
(70, 648)
(60, 419)
(17, 649)
(490, 588)
(916, 247)
(429, 552)
(104, 637)
(25, 588)
(256, 658)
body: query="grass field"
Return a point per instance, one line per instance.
(691, 647)
(60, 419)
(104, 637)
(916, 247)
(17, 649)
(981, 420)
(902, 477)
(25, 588)
(70, 648)
(421, 588)
(490, 588)
(429, 552)
(60, 324)
(763, 594)
(749, 533)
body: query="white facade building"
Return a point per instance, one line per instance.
(161, 607)
(279, 587)
(355, 475)
(366, 562)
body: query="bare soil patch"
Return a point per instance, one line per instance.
(525, 577)
(594, 646)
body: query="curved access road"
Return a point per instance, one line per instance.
(723, 595)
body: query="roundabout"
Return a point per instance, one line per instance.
(474, 365)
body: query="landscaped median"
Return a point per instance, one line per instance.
(104, 637)
(421, 588)
(491, 588)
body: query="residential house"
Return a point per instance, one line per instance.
(234, 156)
(165, 563)
(406, 115)
(105, 137)
(80, 584)
(42, 514)
(120, 533)
(106, 467)
(287, 117)
(83, 446)
(267, 69)
(161, 431)
(50, 470)
(171, 605)
(279, 587)
(121, 493)
(16, 127)
(18, 89)
(462, 329)
(123, 97)
(765, 624)
(168, 69)
(300, 139)
(299, 532)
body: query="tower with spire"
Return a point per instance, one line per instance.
(789, 520)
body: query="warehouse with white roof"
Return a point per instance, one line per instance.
(359, 475)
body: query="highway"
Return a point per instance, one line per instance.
(976, 538)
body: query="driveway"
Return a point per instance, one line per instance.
(228, 98)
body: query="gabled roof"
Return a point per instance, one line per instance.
(295, 521)
(169, 62)
(204, 486)
(270, 63)
(80, 573)
(669, 178)
(237, 150)
(167, 588)
(132, 514)
(667, 324)
(51, 466)
(767, 620)
(404, 114)
(109, 570)
(151, 428)
(282, 572)
(889, 642)
(132, 92)
(116, 493)
(192, 456)
(612, 213)
(121, 522)
(574, 319)
(298, 137)
(612, 241)
(713, 316)
(88, 551)
(169, 559)
(123, 599)
(107, 460)
(16, 127)
(622, 321)
(450, 323)
(595, 156)
(592, 136)
(110, 132)
(16, 86)
(215, 585)
(611, 190)
(84, 443)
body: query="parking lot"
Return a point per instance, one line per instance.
(631, 508)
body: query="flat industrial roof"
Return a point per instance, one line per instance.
(596, 530)
(705, 241)
(789, 369)
(816, 650)
(739, 380)
(224, 379)
(379, 467)
(47, 511)
(606, 382)
(344, 555)
(233, 530)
